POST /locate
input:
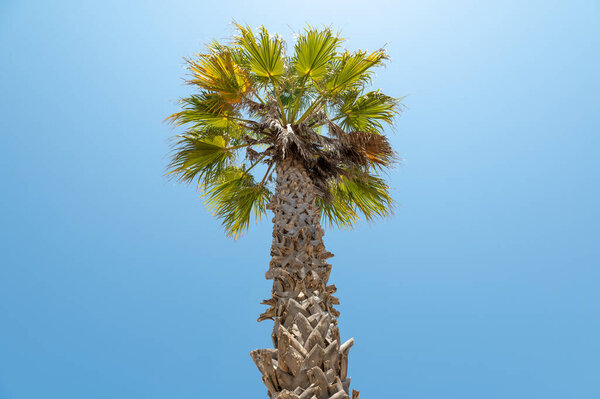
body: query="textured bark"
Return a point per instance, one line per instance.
(308, 361)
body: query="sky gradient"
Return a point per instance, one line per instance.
(117, 283)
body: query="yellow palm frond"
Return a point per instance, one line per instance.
(219, 74)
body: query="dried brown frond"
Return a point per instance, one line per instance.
(375, 147)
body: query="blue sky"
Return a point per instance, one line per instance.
(116, 283)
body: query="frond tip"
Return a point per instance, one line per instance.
(199, 159)
(264, 53)
(352, 70)
(354, 194)
(367, 112)
(219, 73)
(206, 109)
(234, 197)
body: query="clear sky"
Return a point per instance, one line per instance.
(116, 283)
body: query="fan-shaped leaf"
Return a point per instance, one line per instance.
(367, 112)
(314, 50)
(264, 54)
(206, 109)
(234, 197)
(353, 194)
(217, 72)
(200, 159)
(250, 97)
(350, 70)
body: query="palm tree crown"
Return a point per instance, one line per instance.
(257, 105)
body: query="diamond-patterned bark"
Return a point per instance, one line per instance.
(308, 361)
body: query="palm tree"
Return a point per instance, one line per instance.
(308, 123)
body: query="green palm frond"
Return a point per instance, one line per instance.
(217, 72)
(354, 194)
(255, 105)
(264, 53)
(200, 159)
(345, 72)
(338, 212)
(367, 112)
(314, 50)
(234, 197)
(290, 92)
(206, 109)
(265, 58)
(351, 69)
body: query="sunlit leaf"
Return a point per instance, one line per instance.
(217, 72)
(351, 69)
(314, 51)
(254, 105)
(264, 53)
(367, 112)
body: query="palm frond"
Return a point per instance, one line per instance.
(217, 72)
(265, 58)
(358, 149)
(214, 47)
(314, 50)
(351, 69)
(206, 109)
(263, 53)
(234, 198)
(375, 148)
(348, 71)
(353, 194)
(200, 159)
(248, 96)
(367, 112)
(337, 211)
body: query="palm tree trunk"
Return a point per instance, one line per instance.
(307, 361)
